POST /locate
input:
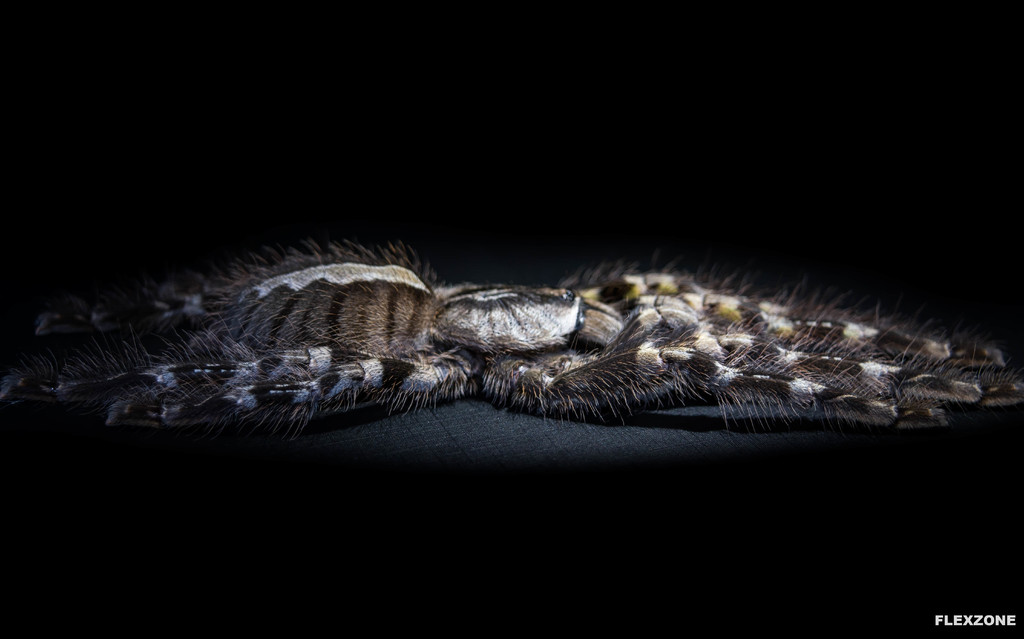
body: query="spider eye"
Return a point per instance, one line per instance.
(568, 295)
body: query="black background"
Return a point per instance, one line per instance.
(879, 184)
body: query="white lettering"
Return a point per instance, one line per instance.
(976, 620)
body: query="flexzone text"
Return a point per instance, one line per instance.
(975, 620)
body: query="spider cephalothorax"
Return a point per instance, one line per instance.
(288, 337)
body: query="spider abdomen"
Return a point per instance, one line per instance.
(349, 306)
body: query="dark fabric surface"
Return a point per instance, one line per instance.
(473, 437)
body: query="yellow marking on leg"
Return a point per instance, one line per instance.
(726, 306)
(661, 283)
(728, 312)
(635, 287)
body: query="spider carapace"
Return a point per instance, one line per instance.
(288, 336)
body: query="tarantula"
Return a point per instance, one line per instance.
(289, 336)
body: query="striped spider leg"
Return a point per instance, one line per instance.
(280, 389)
(684, 340)
(664, 356)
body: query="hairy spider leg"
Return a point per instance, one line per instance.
(814, 339)
(145, 306)
(806, 316)
(200, 383)
(290, 390)
(923, 367)
(650, 374)
(670, 354)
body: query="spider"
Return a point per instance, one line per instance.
(282, 337)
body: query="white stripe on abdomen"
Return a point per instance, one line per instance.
(347, 273)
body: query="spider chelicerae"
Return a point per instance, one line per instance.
(282, 337)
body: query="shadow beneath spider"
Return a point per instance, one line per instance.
(710, 417)
(699, 418)
(704, 423)
(358, 415)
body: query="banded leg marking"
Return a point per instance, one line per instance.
(294, 394)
